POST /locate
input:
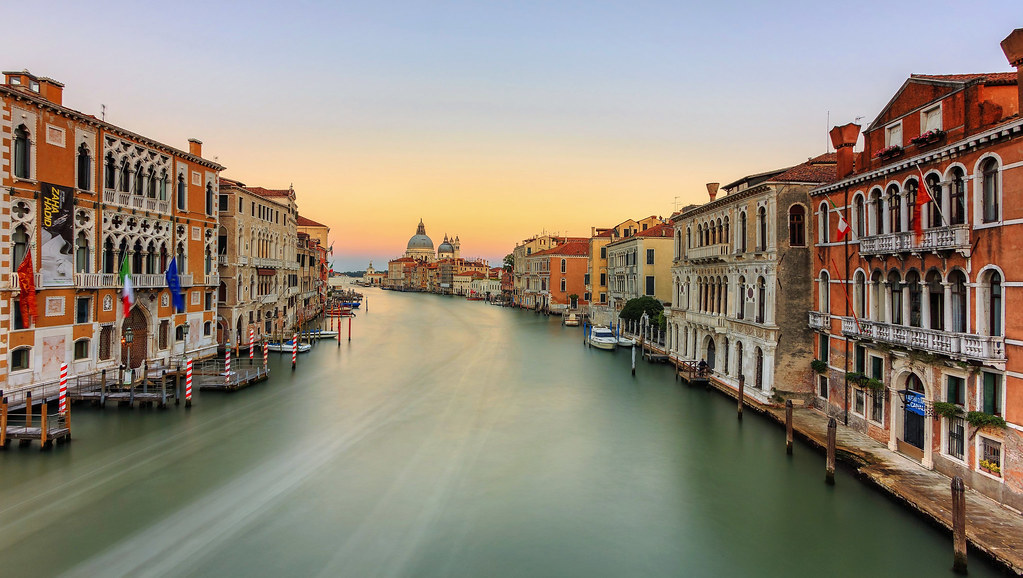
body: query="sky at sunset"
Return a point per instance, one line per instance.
(494, 120)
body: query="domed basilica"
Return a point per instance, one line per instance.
(420, 246)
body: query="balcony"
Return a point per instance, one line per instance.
(212, 280)
(222, 260)
(956, 238)
(113, 280)
(185, 280)
(710, 321)
(955, 345)
(268, 298)
(11, 281)
(137, 202)
(243, 260)
(708, 253)
(820, 321)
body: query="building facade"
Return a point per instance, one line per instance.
(639, 265)
(910, 309)
(82, 197)
(557, 277)
(733, 257)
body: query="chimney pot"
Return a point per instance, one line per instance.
(712, 190)
(844, 138)
(195, 147)
(1012, 46)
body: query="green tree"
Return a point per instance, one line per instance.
(509, 262)
(635, 308)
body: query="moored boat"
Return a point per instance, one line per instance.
(602, 338)
(286, 346)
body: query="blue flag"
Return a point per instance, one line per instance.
(174, 284)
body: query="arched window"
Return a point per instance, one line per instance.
(125, 176)
(82, 253)
(860, 293)
(895, 305)
(110, 172)
(935, 218)
(989, 190)
(859, 217)
(823, 224)
(894, 200)
(957, 202)
(84, 168)
(762, 227)
(151, 257)
(876, 297)
(742, 232)
(727, 232)
(20, 246)
(182, 191)
(21, 359)
(797, 226)
(82, 349)
(909, 195)
(180, 257)
(824, 293)
(915, 299)
(761, 300)
(993, 286)
(935, 301)
(741, 303)
(137, 264)
(140, 180)
(759, 375)
(958, 282)
(876, 224)
(151, 182)
(209, 198)
(109, 259)
(22, 153)
(163, 185)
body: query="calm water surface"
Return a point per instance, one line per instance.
(448, 438)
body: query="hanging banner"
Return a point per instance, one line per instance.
(915, 403)
(56, 254)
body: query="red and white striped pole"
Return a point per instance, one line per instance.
(62, 406)
(227, 366)
(188, 383)
(294, 351)
(252, 337)
(266, 356)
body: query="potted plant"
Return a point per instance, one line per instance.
(818, 366)
(856, 378)
(931, 136)
(979, 419)
(888, 152)
(946, 409)
(875, 384)
(991, 468)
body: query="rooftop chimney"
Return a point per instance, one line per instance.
(1012, 46)
(195, 147)
(844, 138)
(712, 190)
(51, 90)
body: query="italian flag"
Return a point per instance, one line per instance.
(127, 292)
(843, 225)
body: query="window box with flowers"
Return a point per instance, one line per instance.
(990, 457)
(888, 152)
(929, 137)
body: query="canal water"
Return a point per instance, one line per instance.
(449, 438)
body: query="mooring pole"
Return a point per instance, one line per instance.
(188, 383)
(103, 389)
(959, 525)
(633, 359)
(350, 326)
(829, 468)
(742, 394)
(28, 409)
(163, 390)
(788, 426)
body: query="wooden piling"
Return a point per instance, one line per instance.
(163, 390)
(958, 525)
(28, 409)
(103, 388)
(633, 360)
(145, 376)
(43, 430)
(829, 468)
(741, 396)
(3, 423)
(788, 426)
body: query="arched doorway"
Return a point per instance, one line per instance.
(140, 339)
(711, 354)
(913, 413)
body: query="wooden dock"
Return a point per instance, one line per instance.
(19, 426)
(211, 376)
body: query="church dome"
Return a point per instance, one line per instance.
(446, 247)
(420, 240)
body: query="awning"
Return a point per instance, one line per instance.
(265, 271)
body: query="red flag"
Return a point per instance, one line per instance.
(27, 285)
(922, 198)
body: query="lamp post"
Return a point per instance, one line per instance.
(127, 339)
(184, 337)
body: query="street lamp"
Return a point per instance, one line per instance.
(184, 337)
(126, 340)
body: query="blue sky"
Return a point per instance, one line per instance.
(495, 120)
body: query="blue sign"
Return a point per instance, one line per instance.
(915, 403)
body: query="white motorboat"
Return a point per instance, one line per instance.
(571, 320)
(287, 346)
(322, 334)
(602, 338)
(626, 342)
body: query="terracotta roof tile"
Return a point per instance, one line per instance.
(306, 222)
(570, 249)
(662, 230)
(269, 192)
(989, 77)
(820, 169)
